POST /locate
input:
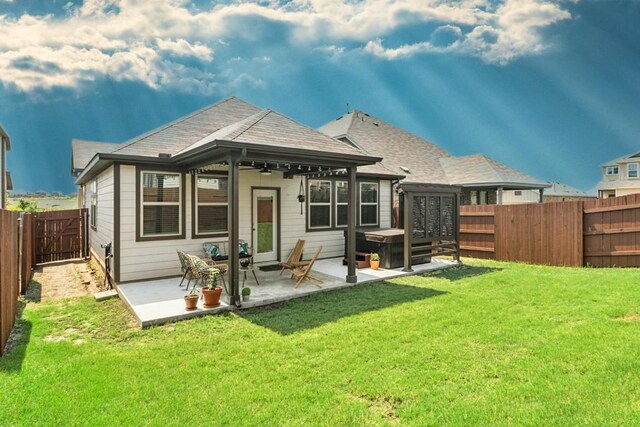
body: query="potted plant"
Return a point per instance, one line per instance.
(212, 292)
(245, 294)
(191, 300)
(374, 261)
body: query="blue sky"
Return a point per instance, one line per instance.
(548, 87)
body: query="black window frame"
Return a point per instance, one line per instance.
(194, 206)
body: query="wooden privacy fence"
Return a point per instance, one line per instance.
(16, 248)
(602, 233)
(60, 235)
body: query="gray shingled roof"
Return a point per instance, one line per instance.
(270, 128)
(425, 162)
(479, 169)
(176, 136)
(398, 148)
(564, 190)
(82, 151)
(629, 158)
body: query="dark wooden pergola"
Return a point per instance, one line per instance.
(289, 161)
(431, 220)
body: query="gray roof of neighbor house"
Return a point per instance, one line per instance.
(479, 170)
(563, 190)
(629, 158)
(420, 160)
(5, 137)
(82, 152)
(403, 153)
(229, 124)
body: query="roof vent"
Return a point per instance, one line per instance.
(164, 155)
(405, 169)
(376, 124)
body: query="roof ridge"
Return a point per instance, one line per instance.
(258, 117)
(145, 135)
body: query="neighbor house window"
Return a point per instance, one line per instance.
(161, 204)
(483, 198)
(319, 204)
(94, 204)
(632, 170)
(212, 204)
(517, 192)
(342, 203)
(612, 170)
(368, 203)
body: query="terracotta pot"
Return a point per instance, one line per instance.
(374, 264)
(211, 297)
(191, 302)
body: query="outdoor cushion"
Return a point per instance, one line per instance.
(212, 250)
(244, 249)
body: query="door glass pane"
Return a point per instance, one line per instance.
(265, 224)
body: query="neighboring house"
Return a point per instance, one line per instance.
(5, 177)
(483, 179)
(227, 172)
(557, 192)
(620, 176)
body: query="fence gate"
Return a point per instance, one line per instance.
(60, 235)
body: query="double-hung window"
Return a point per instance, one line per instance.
(342, 203)
(161, 204)
(319, 204)
(94, 204)
(368, 203)
(212, 204)
(632, 170)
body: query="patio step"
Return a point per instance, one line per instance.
(105, 295)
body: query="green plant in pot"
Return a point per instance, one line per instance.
(245, 294)
(191, 299)
(212, 292)
(374, 261)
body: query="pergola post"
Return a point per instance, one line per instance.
(408, 231)
(351, 225)
(233, 225)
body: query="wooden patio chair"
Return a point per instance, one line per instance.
(302, 273)
(294, 257)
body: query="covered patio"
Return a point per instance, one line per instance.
(155, 302)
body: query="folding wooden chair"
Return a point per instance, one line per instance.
(294, 257)
(301, 273)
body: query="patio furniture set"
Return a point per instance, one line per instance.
(211, 267)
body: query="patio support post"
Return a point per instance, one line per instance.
(234, 230)
(408, 230)
(500, 195)
(351, 225)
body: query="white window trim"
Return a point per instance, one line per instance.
(341, 204)
(197, 204)
(320, 204)
(637, 171)
(361, 204)
(94, 204)
(143, 203)
(611, 168)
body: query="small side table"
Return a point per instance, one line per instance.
(252, 269)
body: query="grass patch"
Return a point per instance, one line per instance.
(484, 344)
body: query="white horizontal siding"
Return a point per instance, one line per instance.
(103, 233)
(527, 196)
(145, 260)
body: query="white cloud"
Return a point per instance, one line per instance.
(156, 42)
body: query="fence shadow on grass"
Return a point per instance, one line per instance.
(17, 344)
(326, 307)
(461, 272)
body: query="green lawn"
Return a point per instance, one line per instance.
(486, 344)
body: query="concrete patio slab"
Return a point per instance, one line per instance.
(155, 302)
